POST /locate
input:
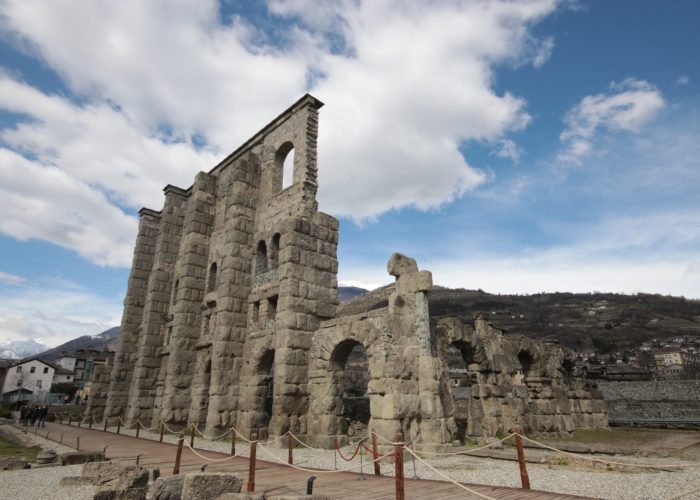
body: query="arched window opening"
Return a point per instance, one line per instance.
(351, 366)
(261, 258)
(211, 285)
(266, 368)
(526, 360)
(460, 355)
(284, 163)
(274, 251)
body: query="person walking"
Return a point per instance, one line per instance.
(43, 412)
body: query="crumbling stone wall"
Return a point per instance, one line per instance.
(231, 318)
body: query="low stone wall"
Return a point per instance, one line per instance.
(662, 390)
(653, 403)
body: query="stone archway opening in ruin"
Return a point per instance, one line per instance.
(567, 368)
(350, 366)
(459, 356)
(266, 368)
(526, 360)
(284, 160)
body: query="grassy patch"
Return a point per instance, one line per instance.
(10, 449)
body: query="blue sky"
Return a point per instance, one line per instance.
(516, 147)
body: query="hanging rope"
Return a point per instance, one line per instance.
(447, 478)
(359, 446)
(609, 462)
(237, 455)
(320, 471)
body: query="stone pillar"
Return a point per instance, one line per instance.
(145, 370)
(132, 317)
(190, 277)
(235, 257)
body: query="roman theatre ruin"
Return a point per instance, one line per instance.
(232, 318)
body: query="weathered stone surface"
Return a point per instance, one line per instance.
(46, 457)
(13, 463)
(207, 485)
(241, 496)
(166, 488)
(82, 457)
(231, 318)
(74, 481)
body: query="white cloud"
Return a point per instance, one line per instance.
(508, 149)
(405, 84)
(54, 312)
(10, 279)
(544, 52)
(629, 106)
(683, 80)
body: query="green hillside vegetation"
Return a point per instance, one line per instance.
(601, 322)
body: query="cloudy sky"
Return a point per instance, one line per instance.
(521, 147)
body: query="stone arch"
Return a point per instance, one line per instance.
(284, 166)
(329, 355)
(261, 257)
(527, 361)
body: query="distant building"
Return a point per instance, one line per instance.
(620, 373)
(668, 358)
(30, 376)
(80, 365)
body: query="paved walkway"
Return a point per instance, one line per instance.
(273, 478)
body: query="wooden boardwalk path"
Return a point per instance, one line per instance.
(273, 478)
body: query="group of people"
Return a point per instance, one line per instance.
(30, 415)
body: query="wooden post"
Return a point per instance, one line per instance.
(233, 441)
(192, 436)
(524, 479)
(251, 465)
(106, 422)
(377, 468)
(290, 456)
(119, 424)
(178, 455)
(398, 465)
(162, 429)
(77, 443)
(91, 418)
(70, 417)
(79, 421)
(138, 427)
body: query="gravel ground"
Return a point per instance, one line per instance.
(596, 482)
(571, 479)
(42, 484)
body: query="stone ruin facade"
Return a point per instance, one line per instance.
(231, 317)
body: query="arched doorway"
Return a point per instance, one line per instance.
(350, 375)
(526, 360)
(459, 356)
(266, 389)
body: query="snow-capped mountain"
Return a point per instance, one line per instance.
(19, 349)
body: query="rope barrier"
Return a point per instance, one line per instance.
(349, 445)
(147, 429)
(213, 438)
(608, 462)
(212, 459)
(320, 471)
(465, 452)
(359, 445)
(474, 492)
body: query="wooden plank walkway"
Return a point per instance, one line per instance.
(273, 478)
